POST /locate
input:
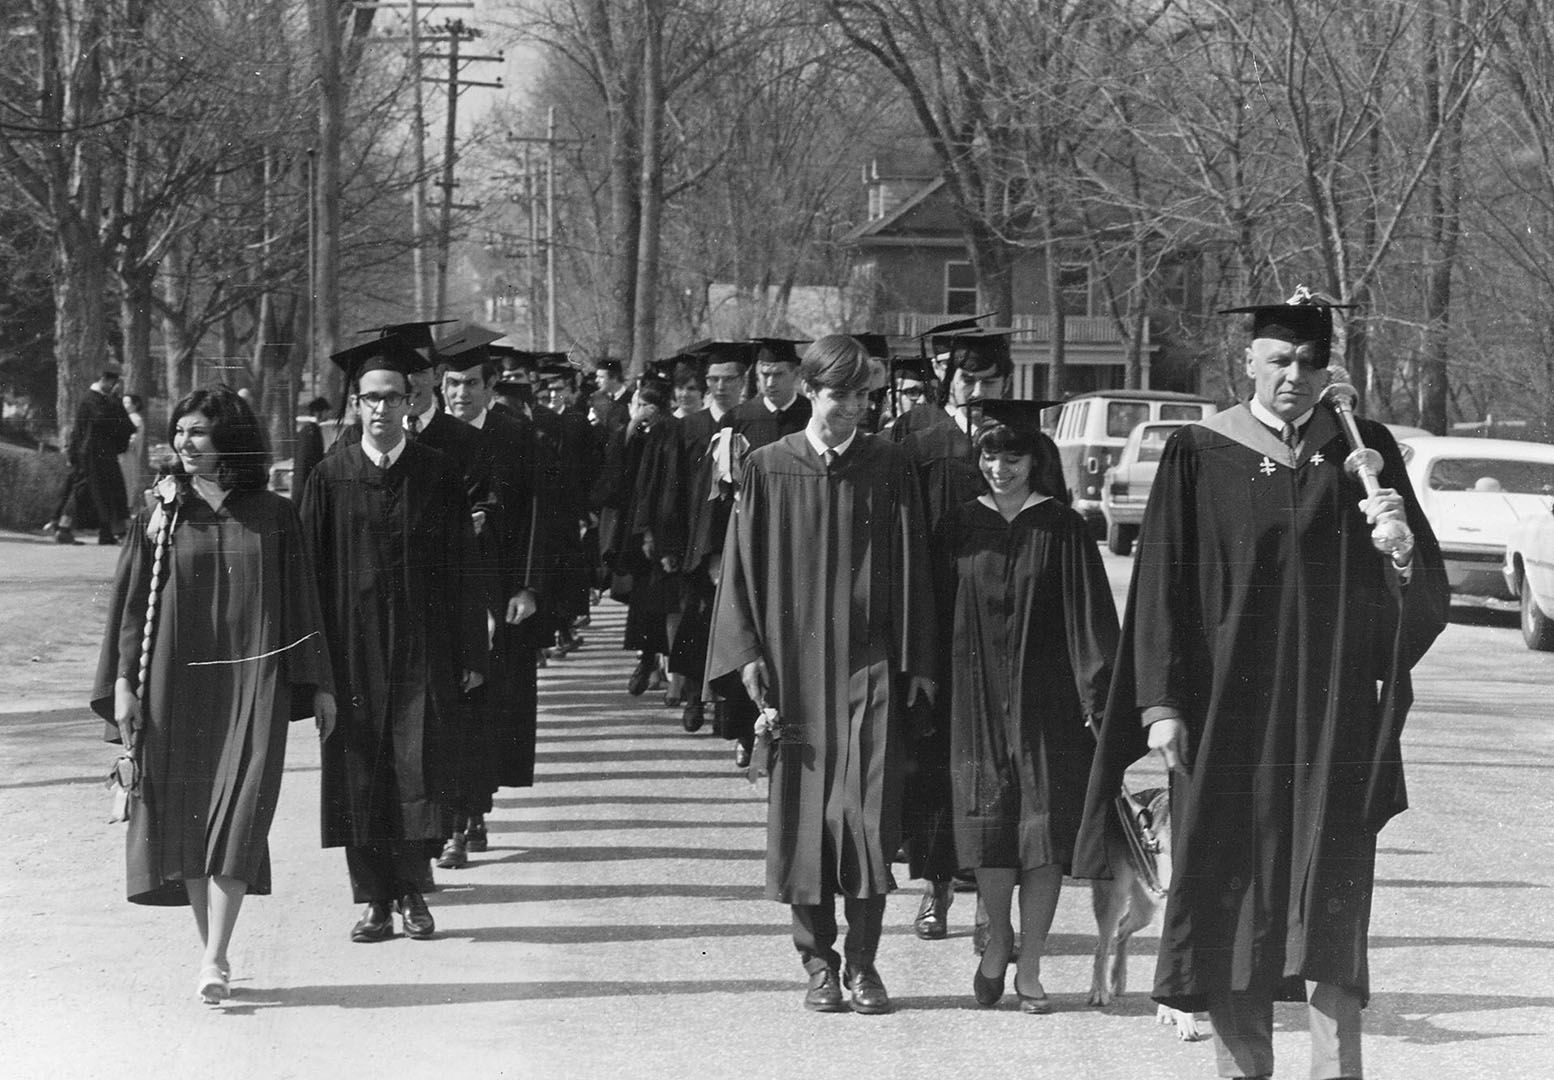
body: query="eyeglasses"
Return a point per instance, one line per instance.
(915, 392)
(374, 402)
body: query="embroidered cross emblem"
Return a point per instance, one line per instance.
(1317, 458)
(1267, 468)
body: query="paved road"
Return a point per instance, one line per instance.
(617, 925)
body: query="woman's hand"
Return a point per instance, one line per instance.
(1169, 736)
(520, 606)
(324, 712)
(126, 709)
(754, 676)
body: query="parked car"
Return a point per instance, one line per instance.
(1475, 492)
(1529, 576)
(1125, 492)
(1092, 428)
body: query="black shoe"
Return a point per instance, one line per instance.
(868, 989)
(376, 923)
(986, 989)
(475, 834)
(638, 683)
(454, 853)
(107, 540)
(691, 716)
(825, 992)
(933, 915)
(741, 756)
(417, 919)
(65, 536)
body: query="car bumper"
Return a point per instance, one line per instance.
(1126, 512)
(1476, 571)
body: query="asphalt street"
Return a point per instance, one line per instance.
(617, 925)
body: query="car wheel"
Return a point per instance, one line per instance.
(1537, 628)
(1119, 538)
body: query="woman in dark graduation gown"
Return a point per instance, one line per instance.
(237, 653)
(1035, 630)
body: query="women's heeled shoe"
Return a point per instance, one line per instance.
(987, 989)
(213, 986)
(1038, 1005)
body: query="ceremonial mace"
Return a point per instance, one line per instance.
(1392, 536)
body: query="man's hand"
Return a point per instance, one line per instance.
(1386, 503)
(670, 563)
(520, 606)
(470, 680)
(479, 518)
(649, 546)
(754, 676)
(1169, 736)
(921, 689)
(126, 710)
(324, 713)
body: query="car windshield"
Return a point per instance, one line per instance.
(1492, 475)
(1152, 442)
(1123, 416)
(1181, 412)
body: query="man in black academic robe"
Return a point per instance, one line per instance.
(825, 613)
(309, 449)
(1266, 651)
(394, 548)
(696, 523)
(101, 432)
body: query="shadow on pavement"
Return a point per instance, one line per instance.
(742, 795)
(519, 894)
(633, 852)
(549, 825)
(1411, 1017)
(248, 1000)
(1423, 883)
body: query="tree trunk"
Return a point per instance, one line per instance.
(1057, 369)
(80, 326)
(325, 323)
(651, 190)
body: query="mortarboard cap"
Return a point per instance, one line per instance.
(911, 367)
(467, 347)
(1021, 417)
(560, 366)
(1306, 318)
(978, 349)
(777, 350)
(724, 352)
(419, 333)
(390, 353)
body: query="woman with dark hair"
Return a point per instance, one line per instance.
(214, 643)
(1034, 634)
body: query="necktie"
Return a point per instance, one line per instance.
(829, 457)
(1290, 435)
(385, 463)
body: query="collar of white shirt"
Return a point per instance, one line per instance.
(717, 413)
(777, 408)
(213, 493)
(1266, 416)
(961, 417)
(375, 453)
(820, 448)
(479, 422)
(1035, 498)
(424, 419)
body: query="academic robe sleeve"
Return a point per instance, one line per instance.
(738, 609)
(1090, 619)
(917, 637)
(306, 662)
(122, 635)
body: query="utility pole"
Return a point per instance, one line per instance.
(454, 33)
(324, 321)
(550, 142)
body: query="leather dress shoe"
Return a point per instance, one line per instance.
(741, 756)
(933, 921)
(417, 919)
(869, 996)
(454, 853)
(825, 992)
(376, 923)
(638, 683)
(987, 989)
(475, 838)
(691, 716)
(65, 536)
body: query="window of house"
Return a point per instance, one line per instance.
(1074, 280)
(960, 289)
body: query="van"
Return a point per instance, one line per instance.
(1092, 427)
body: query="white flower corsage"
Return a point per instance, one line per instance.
(165, 494)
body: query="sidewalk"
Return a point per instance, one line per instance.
(617, 927)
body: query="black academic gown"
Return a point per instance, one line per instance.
(405, 614)
(826, 577)
(761, 427)
(1034, 632)
(305, 457)
(695, 523)
(1260, 611)
(948, 471)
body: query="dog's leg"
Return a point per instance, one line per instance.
(1107, 899)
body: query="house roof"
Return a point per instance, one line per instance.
(891, 222)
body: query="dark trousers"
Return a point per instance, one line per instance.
(1243, 1032)
(385, 870)
(814, 931)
